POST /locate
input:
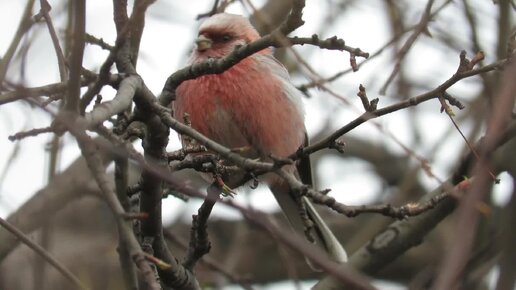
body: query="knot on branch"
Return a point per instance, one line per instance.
(465, 64)
(280, 161)
(338, 145)
(369, 106)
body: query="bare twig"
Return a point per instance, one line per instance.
(43, 253)
(47, 90)
(128, 268)
(97, 169)
(25, 24)
(393, 40)
(98, 41)
(332, 43)
(79, 30)
(199, 243)
(413, 101)
(468, 215)
(44, 12)
(33, 132)
(421, 27)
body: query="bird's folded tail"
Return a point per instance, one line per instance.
(326, 236)
(321, 233)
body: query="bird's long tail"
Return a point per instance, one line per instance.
(322, 234)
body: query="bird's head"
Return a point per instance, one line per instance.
(221, 33)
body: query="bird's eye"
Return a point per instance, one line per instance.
(226, 37)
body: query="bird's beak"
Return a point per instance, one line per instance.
(203, 43)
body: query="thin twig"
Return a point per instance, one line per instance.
(44, 11)
(97, 169)
(25, 24)
(199, 243)
(468, 217)
(43, 253)
(98, 41)
(421, 27)
(413, 101)
(30, 133)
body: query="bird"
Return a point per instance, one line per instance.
(252, 105)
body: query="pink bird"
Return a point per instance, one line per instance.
(252, 105)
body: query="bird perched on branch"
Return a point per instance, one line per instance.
(252, 105)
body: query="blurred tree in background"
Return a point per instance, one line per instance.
(410, 108)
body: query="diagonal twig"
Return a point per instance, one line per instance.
(43, 253)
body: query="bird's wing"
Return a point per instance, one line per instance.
(280, 72)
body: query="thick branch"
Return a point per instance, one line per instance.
(79, 30)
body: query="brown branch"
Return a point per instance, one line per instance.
(44, 12)
(450, 114)
(420, 28)
(122, 26)
(198, 162)
(99, 42)
(332, 43)
(413, 101)
(127, 267)
(254, 165)
(137, 24)
(102, 79)
(48, 90)
(34, 92)
(294, 19)
(369, 106)
(156, 138)
(30, 133)
(24, 26)
(122, 100)
(393, 40)
(89, 152)
(313, 253)
(120, 53)
(401, 212)
(43, 253)
(468, 216)
(49, 200)
(150, 186)
(199, 243)
(77, 51)
(297, 244)
(407, 233)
